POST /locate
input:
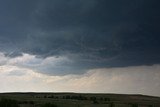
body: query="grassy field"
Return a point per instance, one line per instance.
(76, 100)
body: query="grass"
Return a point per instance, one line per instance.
(81, 100)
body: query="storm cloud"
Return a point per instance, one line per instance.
(80, 35)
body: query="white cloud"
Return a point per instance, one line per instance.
(133, 80)
(25, 60)
(50, 65)
(18, 74)
(28, 80)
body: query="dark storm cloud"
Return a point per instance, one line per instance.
(14, 24)
(94, 34)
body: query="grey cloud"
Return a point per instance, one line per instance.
(93, 34)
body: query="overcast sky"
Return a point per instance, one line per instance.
(108, 46)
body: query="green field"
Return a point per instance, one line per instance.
(76, 100)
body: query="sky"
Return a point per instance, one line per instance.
(87, 46)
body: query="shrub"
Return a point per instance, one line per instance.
(112, 104)
(49, 105)
(8, 103)
(134, 105)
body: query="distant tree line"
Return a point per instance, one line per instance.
(77, 97)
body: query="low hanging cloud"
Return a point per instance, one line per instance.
(131, 80)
